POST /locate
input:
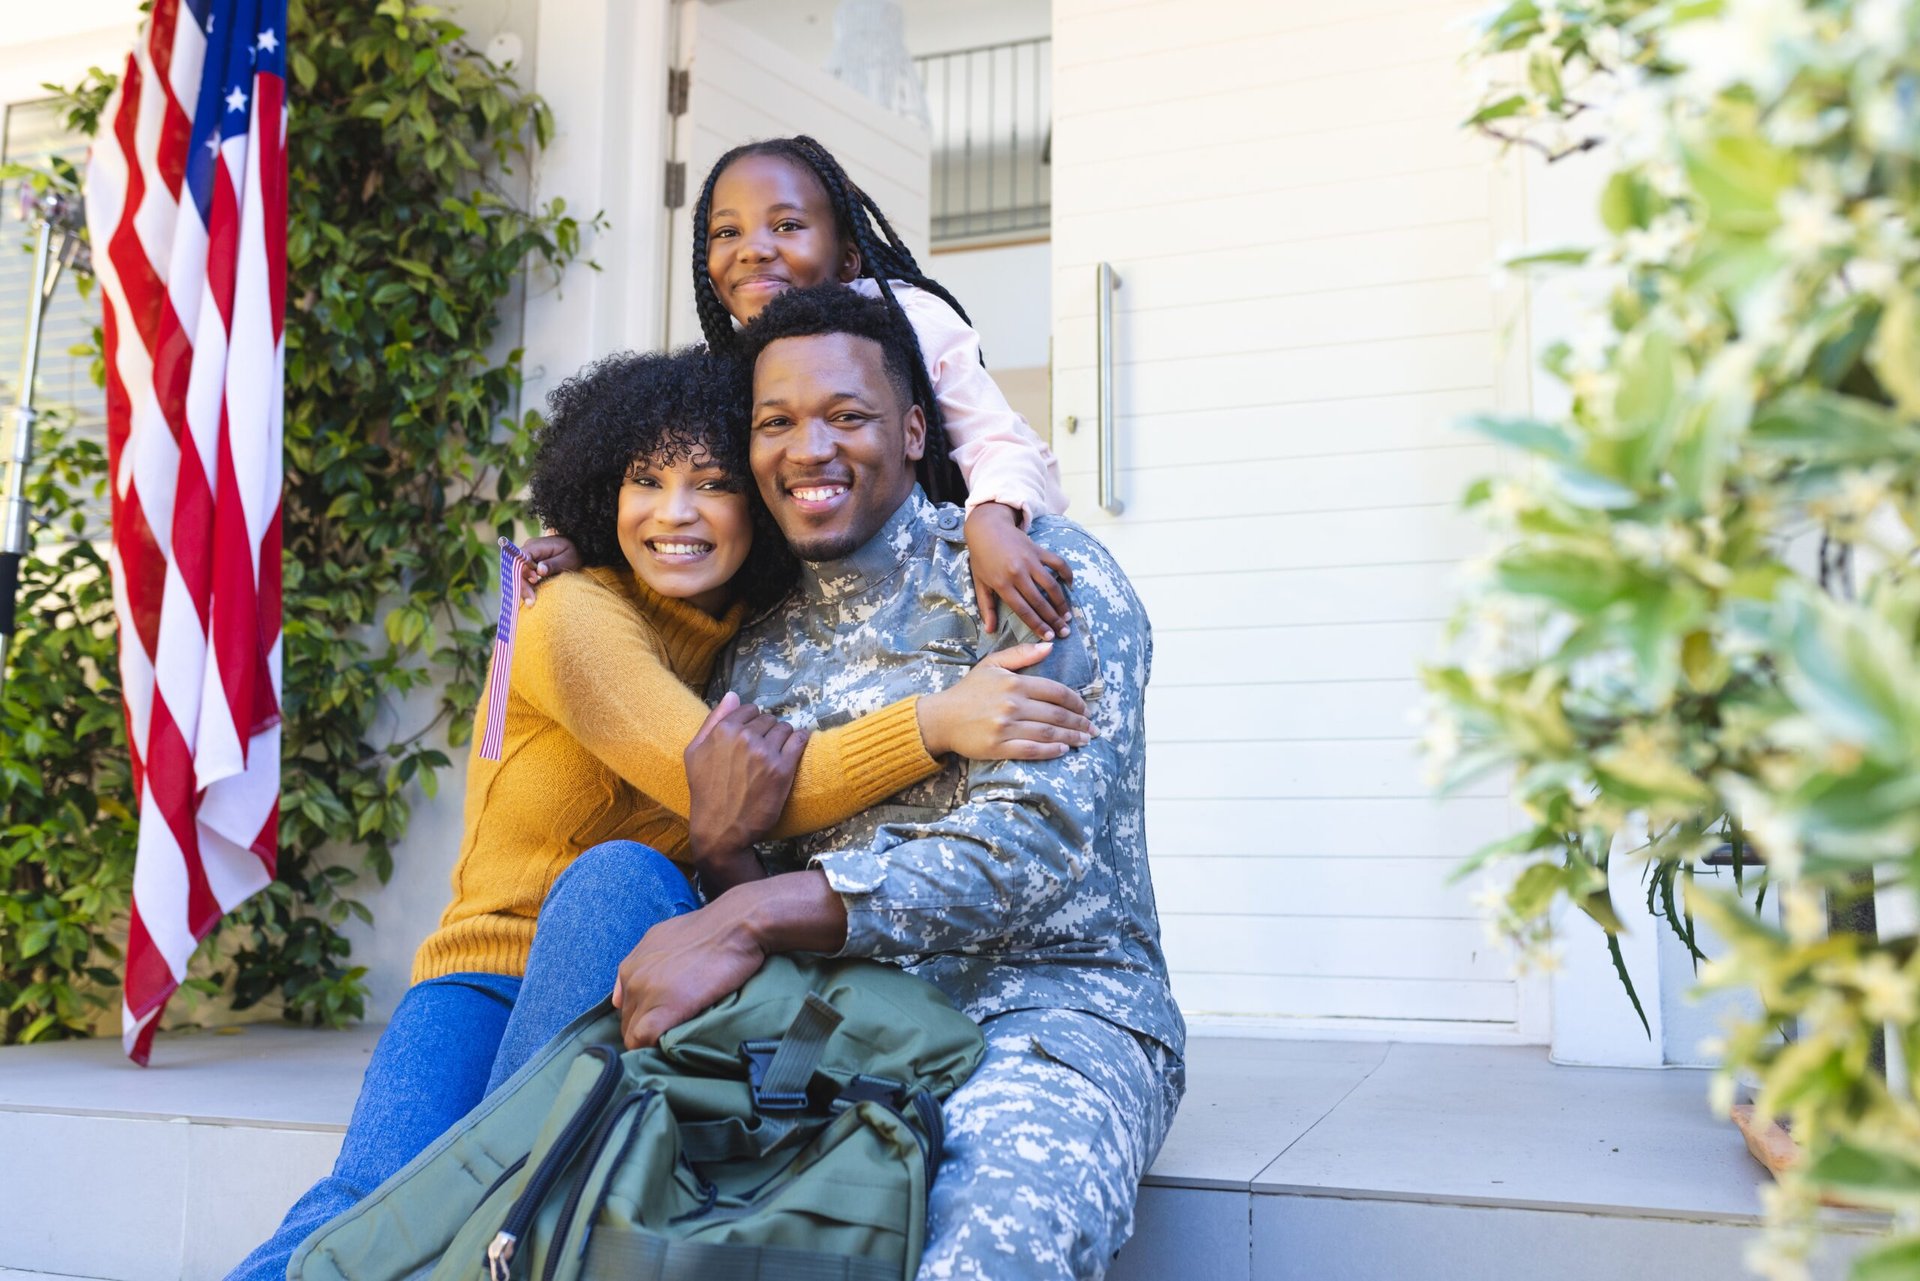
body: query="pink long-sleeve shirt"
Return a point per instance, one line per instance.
(1001, 457)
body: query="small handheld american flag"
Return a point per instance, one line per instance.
(512, 559)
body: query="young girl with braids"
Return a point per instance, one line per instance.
(782, 214)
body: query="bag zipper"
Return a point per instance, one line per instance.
(606, 1188)
(500, 1250)
(505, 1174)
(592, 1158)
(933, 1142)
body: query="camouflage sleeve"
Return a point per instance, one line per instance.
(1001, 862)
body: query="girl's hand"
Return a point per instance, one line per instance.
(1024, 576)
(995, 715)
(546, 556)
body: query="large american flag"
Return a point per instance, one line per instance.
(187, 209)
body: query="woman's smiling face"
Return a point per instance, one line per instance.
(685, 527)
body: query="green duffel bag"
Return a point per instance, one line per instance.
(787, 1134)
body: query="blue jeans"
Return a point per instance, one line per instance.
(453, 1039)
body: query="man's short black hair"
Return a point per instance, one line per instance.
(836, 309)
(660, 407)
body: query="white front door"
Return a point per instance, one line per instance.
(1303, 237)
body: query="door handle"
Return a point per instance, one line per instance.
(1105, 282)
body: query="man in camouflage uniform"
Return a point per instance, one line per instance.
(1019, 888)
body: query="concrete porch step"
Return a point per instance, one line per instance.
(1290, 1161)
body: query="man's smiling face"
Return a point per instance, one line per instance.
(834, 441)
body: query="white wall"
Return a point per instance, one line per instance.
(1007, 290)
(1304, 237)
(29, 25)
(57, 43)
(805, 27)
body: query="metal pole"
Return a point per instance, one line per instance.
(58, 219)
(13, 487)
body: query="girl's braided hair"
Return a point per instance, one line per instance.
(883, 256)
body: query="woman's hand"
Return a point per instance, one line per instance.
(740, 767)
(1022, 575)
(546, 556)
(994, 714)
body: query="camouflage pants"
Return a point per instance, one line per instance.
(1045, 1147)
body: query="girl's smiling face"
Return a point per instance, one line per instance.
(685, 527)
(771, 229)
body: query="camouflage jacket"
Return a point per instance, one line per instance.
(1009, 885)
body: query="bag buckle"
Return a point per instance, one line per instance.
(868, 1089)
(781, 1071)
(759, 1056)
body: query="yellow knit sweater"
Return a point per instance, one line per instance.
(600, 709)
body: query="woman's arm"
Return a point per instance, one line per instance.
(589, 661)
(742, 761)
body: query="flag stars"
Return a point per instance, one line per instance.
(268, 42)
(236, 100)
(213, 143)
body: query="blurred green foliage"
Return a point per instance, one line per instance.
(1696, 634)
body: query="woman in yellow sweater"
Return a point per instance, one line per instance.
(643, 466)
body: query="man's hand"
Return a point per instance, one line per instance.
(682, 966)
(740, 768)
(686, 963)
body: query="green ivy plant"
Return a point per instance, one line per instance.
(1697, 638)
(66, 850)
(403, 464)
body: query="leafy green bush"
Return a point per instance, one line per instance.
(66, 852)
(402, 465)
(1713, 551)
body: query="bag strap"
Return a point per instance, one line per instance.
(780, 1073)
(635, 1256)
(780, 1081)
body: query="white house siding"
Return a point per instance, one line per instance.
(1304, 237)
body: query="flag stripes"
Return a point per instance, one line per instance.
(186, 205)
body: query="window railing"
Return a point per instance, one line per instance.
(992, 114)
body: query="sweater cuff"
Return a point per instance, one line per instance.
(883, 752)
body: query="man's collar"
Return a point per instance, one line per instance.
(873, 562)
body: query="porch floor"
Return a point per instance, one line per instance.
(1290, 1159)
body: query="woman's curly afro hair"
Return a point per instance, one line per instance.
(659, 408)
